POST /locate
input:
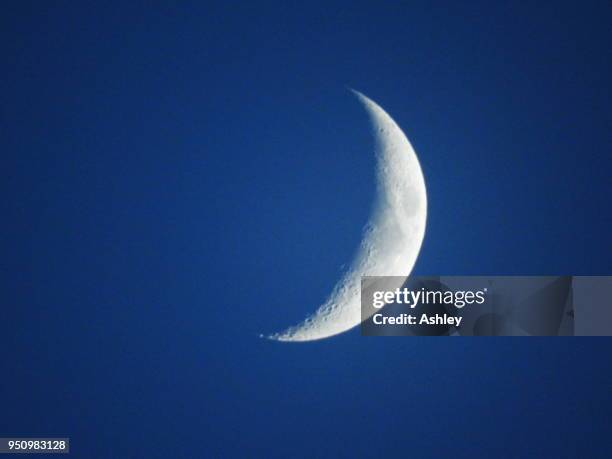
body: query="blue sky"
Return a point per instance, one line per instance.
(180, 178)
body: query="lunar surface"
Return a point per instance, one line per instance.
(391, 239)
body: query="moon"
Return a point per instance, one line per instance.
(392, 237)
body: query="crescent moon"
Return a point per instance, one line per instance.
(392, 237)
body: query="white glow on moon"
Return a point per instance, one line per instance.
(392, 238)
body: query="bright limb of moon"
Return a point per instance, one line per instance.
(392, 238)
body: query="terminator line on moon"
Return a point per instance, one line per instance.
(392, 238)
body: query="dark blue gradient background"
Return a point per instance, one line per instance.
(178, 178)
